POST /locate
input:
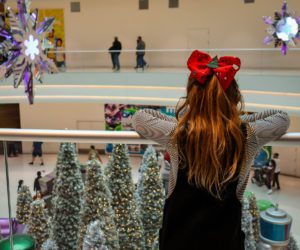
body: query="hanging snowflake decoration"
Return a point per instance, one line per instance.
(22, 49)
(283, 30)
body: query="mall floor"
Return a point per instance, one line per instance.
(288, 197)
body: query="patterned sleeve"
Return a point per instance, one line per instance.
(154, 125)
(268, 126)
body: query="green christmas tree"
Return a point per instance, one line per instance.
(68, 201)
(151, 200)
(23, 204)
(38, 226)
(97, 206)
(95, 238)
(122, 188)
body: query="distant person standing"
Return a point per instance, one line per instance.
(36, 184)
(37, 151)
(52, 40)
(276, 162)
(60, 55)
(140, 53)
(20, 184)
(115, 51)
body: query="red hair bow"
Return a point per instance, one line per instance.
(202, 66)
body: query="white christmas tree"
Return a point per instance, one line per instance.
(94, 238)
(151, 200)
(121, 185)
(97, 206)
(68, 201)
(23, 204)
(38, 226)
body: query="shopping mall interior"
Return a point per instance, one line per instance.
(77, 170)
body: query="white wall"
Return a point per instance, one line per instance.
(60, 116)
(205, 23)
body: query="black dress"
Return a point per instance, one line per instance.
(195, 220)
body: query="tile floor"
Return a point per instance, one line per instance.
(288, 198)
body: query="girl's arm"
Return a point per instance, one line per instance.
(154, 125)
(268, 126)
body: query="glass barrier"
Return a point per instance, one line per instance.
(169, 60)
(85, 193)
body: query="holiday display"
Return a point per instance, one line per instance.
(23, 204)
(247, 226)
(38, 226)
(20, 242)
(97, 206)
(49, 245)
(68, 200)
(57, 172)
(95, 238)
(127, 218)
(255, 217)
(275, 226)
(149, 151)
(283, 30)
(151, 200)
(22, 48)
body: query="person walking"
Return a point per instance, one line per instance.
(269, 176)
(212, 147)
(37, 152)
(115, 51)
(36, 184)
(140, 53)
(276, 163)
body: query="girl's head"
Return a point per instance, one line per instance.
(209, 133)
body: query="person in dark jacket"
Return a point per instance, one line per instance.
(20, 184)
(37, 151)
(140, 53)
(115, 51)
(36, 185)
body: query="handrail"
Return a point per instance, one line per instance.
(90, 136)
(178, 50)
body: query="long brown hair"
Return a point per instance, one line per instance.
(209, 134)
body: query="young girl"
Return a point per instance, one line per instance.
(212, 147)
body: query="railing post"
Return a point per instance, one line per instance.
(8, 196)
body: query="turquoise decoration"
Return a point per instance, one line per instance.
(21, 242)
(275, 225)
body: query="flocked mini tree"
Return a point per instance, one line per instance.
(149, 151)
(38, 226)
(151, 200)
(23, 204)
(121, 185)
(97, 206)
(68, 200)
(255, 218)
(247, 226)
(49, 245)
(95, 238)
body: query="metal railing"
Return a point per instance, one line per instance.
(86, 136)
(91, 136)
